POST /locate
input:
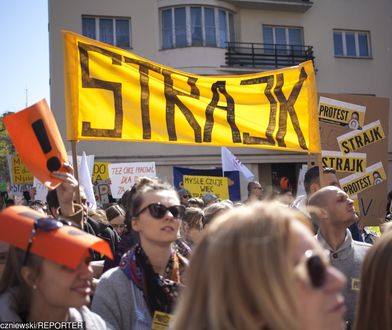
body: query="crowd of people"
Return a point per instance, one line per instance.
(160, 258)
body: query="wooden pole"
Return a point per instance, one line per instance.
(75, 166)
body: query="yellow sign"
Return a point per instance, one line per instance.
(20, 173)
(355, 140)
(358, 182)
(341, 113)
(200, 185)
(100, 171)
(112, 94)
(161, 321)
(352, 162)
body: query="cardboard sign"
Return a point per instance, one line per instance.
(19, 173)
(123, 175)
(71, 244)
(201, 185)
(112, 94)
(102, 191)
(352, 162)
(38, 142)
(353, 141)
(370, 140)
(341, 113)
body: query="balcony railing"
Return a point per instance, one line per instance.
(247, 54)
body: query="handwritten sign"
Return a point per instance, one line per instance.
(101, 171)
(123, 175)
(18, 171)
(201, 185)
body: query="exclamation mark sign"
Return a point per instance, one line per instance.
(53, 163)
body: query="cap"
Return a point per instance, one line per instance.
(208, 198)
(66, 245)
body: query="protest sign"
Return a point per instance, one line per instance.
(19, 173)
(41, 190)
(341, 113)
(348, 143)
(123, 175)
(233, 178)
(352, 162)
(201, 185)
(100, 171)
(37, 140)
(112, 94)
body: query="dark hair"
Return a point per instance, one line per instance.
(52, 199)
(193, 217)
(312, 175)
(114, 211)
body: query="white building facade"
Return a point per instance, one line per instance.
(350, 43)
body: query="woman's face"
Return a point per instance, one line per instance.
(322, 307)
(118, 224)
(160, 231)
(62, 287)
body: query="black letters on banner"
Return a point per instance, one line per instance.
(172, 99)
(88, 82)
(221, 87)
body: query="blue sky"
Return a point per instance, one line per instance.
(24, 56)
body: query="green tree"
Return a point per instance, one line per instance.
(6, 148)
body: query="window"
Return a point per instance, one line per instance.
(351, 43)
(114, 31)
(285, 40)
(196, 26)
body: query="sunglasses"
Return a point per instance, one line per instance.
(43, 224)
(158, 210)
(313, 267)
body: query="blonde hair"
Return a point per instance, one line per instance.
(374, 306)
(240, 275)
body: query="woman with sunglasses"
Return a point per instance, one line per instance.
(259, 267)
(374, 310)
(142, 291)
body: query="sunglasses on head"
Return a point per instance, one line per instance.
(158, 210)
(46, 225)
(314, 267)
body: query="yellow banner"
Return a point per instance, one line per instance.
(358, 139)
(112, 94)
(200, 185)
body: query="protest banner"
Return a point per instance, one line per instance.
(123, 175)
(41, 190)
(100, 171)
(201, 185)
(341, 113)
(102, 192)
(348, 143)
(352, 162)
(37, 140)
(19, 174)
(112, 94)
(233, 178)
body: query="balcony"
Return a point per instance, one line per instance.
(300, 6)
(266, 56)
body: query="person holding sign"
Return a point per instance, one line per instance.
(43, 284)
(259, 267)
(142, 291)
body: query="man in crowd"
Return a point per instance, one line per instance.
(255, 192)
(335, 214)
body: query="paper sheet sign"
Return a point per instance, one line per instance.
(353, 141)
(358, 182)
(341, 113)
(38, 142)
(123, 175)
(352, 162)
